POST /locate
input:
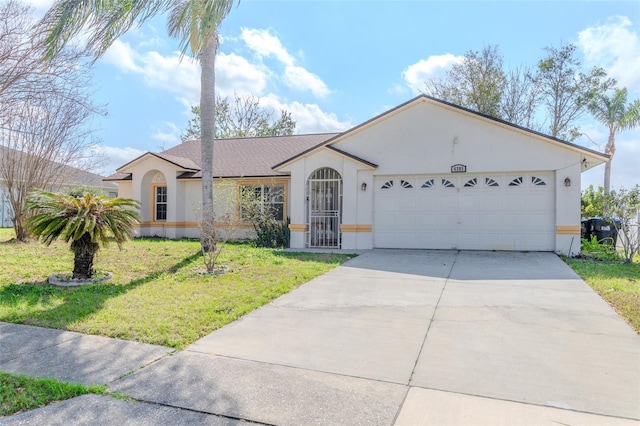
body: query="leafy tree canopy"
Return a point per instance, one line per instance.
(243, 116)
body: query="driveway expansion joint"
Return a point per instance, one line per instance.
(431, 320)
(135, 370)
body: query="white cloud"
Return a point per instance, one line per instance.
(300, 79)
(264, 45)
(233, 72)
(310, 118)
(615, 46)
(115, 157)
(181, 77)
(434, 66)
(168, 134)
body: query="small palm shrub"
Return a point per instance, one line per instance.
(88, 221)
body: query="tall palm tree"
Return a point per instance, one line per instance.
(88, 221)
(617, 115)
(194, 22)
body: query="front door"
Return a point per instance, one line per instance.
(324, 203)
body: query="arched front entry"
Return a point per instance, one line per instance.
(324, 208)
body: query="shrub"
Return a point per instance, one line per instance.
(593, 249)
(270, 233)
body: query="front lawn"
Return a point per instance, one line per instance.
(156, 295)
(618, 283)
(20, 393)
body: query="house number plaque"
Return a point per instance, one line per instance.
(458, 168)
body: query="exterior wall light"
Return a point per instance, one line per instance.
(363, 186)
(567, 181)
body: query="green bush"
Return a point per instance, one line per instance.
(593, 249)
(270, 233)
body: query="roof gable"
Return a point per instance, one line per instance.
(595, 157)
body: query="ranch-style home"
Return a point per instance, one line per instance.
(427, 174)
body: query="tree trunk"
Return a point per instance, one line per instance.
(19, 228)
(84, 250)
(609, 150)
(83, 265)
(207, 135)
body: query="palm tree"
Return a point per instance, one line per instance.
(88, 221)
(194, 22)
(614, 113)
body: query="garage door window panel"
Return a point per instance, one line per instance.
(471, 183)
(387, 185)
(447, 183)
(491, 182)
(428, 184)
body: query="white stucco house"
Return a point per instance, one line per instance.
(426, 174)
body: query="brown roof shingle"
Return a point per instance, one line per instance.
(245, 157)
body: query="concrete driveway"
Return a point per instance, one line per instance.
(415, 337)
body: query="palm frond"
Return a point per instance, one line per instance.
(96, 218)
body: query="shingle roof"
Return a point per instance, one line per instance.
(239, 157)
(118, 176)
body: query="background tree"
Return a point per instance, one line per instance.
(566, 90)
(194, 22)
(624, 205)
(613, 111)
(476, 82)
(88, 222)
(592, 202)
(44, 113)
(244, 117)
(521, 98)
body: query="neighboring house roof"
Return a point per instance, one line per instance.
(69, 176)
(238, 157)
(425, 98)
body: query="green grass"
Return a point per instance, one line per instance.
(156, 294)
(20, 393)
(618, 283)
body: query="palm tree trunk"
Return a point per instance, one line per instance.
(610, 150)
(84, 251)
(83, 265)
(207, 135)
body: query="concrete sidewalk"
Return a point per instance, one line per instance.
(393, 336)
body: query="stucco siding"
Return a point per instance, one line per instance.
(427, 138)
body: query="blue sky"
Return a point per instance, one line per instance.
(335, 64)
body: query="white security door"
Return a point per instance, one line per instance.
(465, 211)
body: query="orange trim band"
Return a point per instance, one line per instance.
(568, 229)
(355, 228)
(297, 227)
(195, 224)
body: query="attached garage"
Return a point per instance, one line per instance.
(490, 211)
(432, 175)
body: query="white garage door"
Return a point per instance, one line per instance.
(465, 211)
